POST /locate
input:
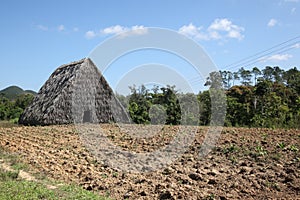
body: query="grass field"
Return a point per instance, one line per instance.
(15, 186)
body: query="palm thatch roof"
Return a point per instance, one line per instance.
(75, 93)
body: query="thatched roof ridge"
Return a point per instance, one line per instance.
(71, 91)
(73, 63)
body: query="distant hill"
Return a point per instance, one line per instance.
(30, 92)
(12, 92)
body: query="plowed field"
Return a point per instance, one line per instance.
(245, 163)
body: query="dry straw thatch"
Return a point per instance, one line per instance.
(75, 93)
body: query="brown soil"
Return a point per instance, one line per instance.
(245, 164)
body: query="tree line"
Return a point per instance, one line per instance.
(12, 109)
(255, 98)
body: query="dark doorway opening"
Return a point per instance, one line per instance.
(87, 117)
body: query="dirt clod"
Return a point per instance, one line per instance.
(165, 195)
(195, 177)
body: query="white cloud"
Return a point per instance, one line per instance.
(90, 34)
(214, 35)
(276, 57)
(113, 30)
(122, 31)
(280, 57)
(61, 28)
(139, 30)
(296, 46)
(272, 22)
(225, 25)
(221, 25)
(193, 32)
(235, 34)
(219, 29)
(43, 28)
(134, 30)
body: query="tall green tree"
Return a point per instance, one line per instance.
(139, 105)
(278, 74)
(268, 73)
(236, 77)
(256, 72)
(170, 101)
(245, 76)
(273, 100)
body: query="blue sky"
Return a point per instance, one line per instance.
(38, 36)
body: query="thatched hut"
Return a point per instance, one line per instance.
(75, 93)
